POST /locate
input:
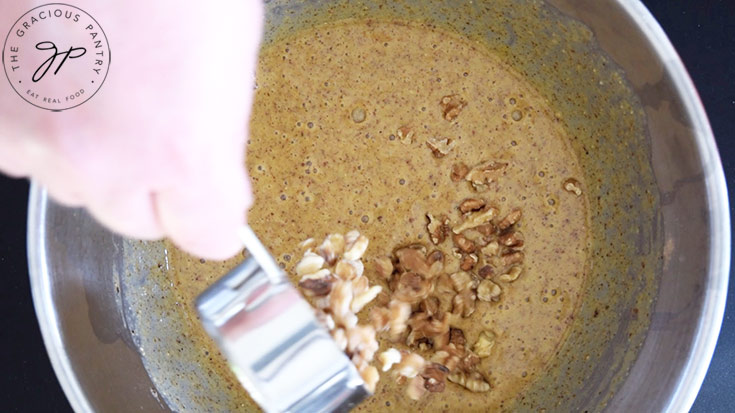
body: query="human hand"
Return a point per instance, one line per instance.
(159, 150)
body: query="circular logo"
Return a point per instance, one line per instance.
(56, 56)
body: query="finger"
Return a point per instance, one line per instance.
(133, 215)
(202, 214)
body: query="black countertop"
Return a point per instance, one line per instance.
(703, 33)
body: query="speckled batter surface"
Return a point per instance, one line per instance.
(316, 171)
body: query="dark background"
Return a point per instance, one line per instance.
(703, 33)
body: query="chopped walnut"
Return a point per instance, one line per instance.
(309, 264)
(469, 361)
(484, 344)
(370, 376)
(339, 337)
(440, 147)
(488, 291)
(511, 239)
(430, 306)
(410, 365)
(364, 298)
(405, 135)
(462, 281)
(511, 275)
(339, 303)
(486, 229)
(512, 257)
(445, 358)
(438, 228)
(491, 249)
(471, 205)
(416, 388)
(384, 267)
(399, 314)
(413, 260)
(485, 271)
(511, 219)
(459, 171)
(360, 285)
(472, 381)
(435, 376)
(468, 262)
(349, 269)
(476, 219)
(482, 176)
(412, 288)
(573, 186)
(429, 326)
(464, 303)
(317, 286)
(463, 243)
(451, 106)
(355, 245)
(379, 318)
(361, 340)
(389, 357)
(456, 337)
(307, 243)
(331, 248)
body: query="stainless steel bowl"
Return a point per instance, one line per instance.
(76, 265)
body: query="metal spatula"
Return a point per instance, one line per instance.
(280, 353)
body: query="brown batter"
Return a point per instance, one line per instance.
(318, 167)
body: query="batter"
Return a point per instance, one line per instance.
(329, 152)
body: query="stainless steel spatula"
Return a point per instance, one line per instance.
(280, 353)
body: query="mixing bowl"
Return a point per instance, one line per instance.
(650, 348)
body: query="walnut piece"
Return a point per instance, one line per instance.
(511, 239)
(451, 106)
(370, 376)
(512, 257)
(416, 388)
(413, 260)
(491, 249)
(389, 357)
(435, 376)
(484, 344)
(456, 337)
(485, 271)
(573, 186)
(410, 365)
(461, 281)
(511, 275)
(317, 286)
(468, 262)
(349, 269)
(309, 264)
(459, 171)
(362, 299)
(483, 175)
(464, 303)
(440, 147)
(511, 219)
(473, 381)
(412, 288)
(405, 135)
(331, 248)
(355, 246)
(476, 219)
(384, 267)
(399, 312)
(488, 291)
(463, 243)
(438, 228)
(471, 205)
